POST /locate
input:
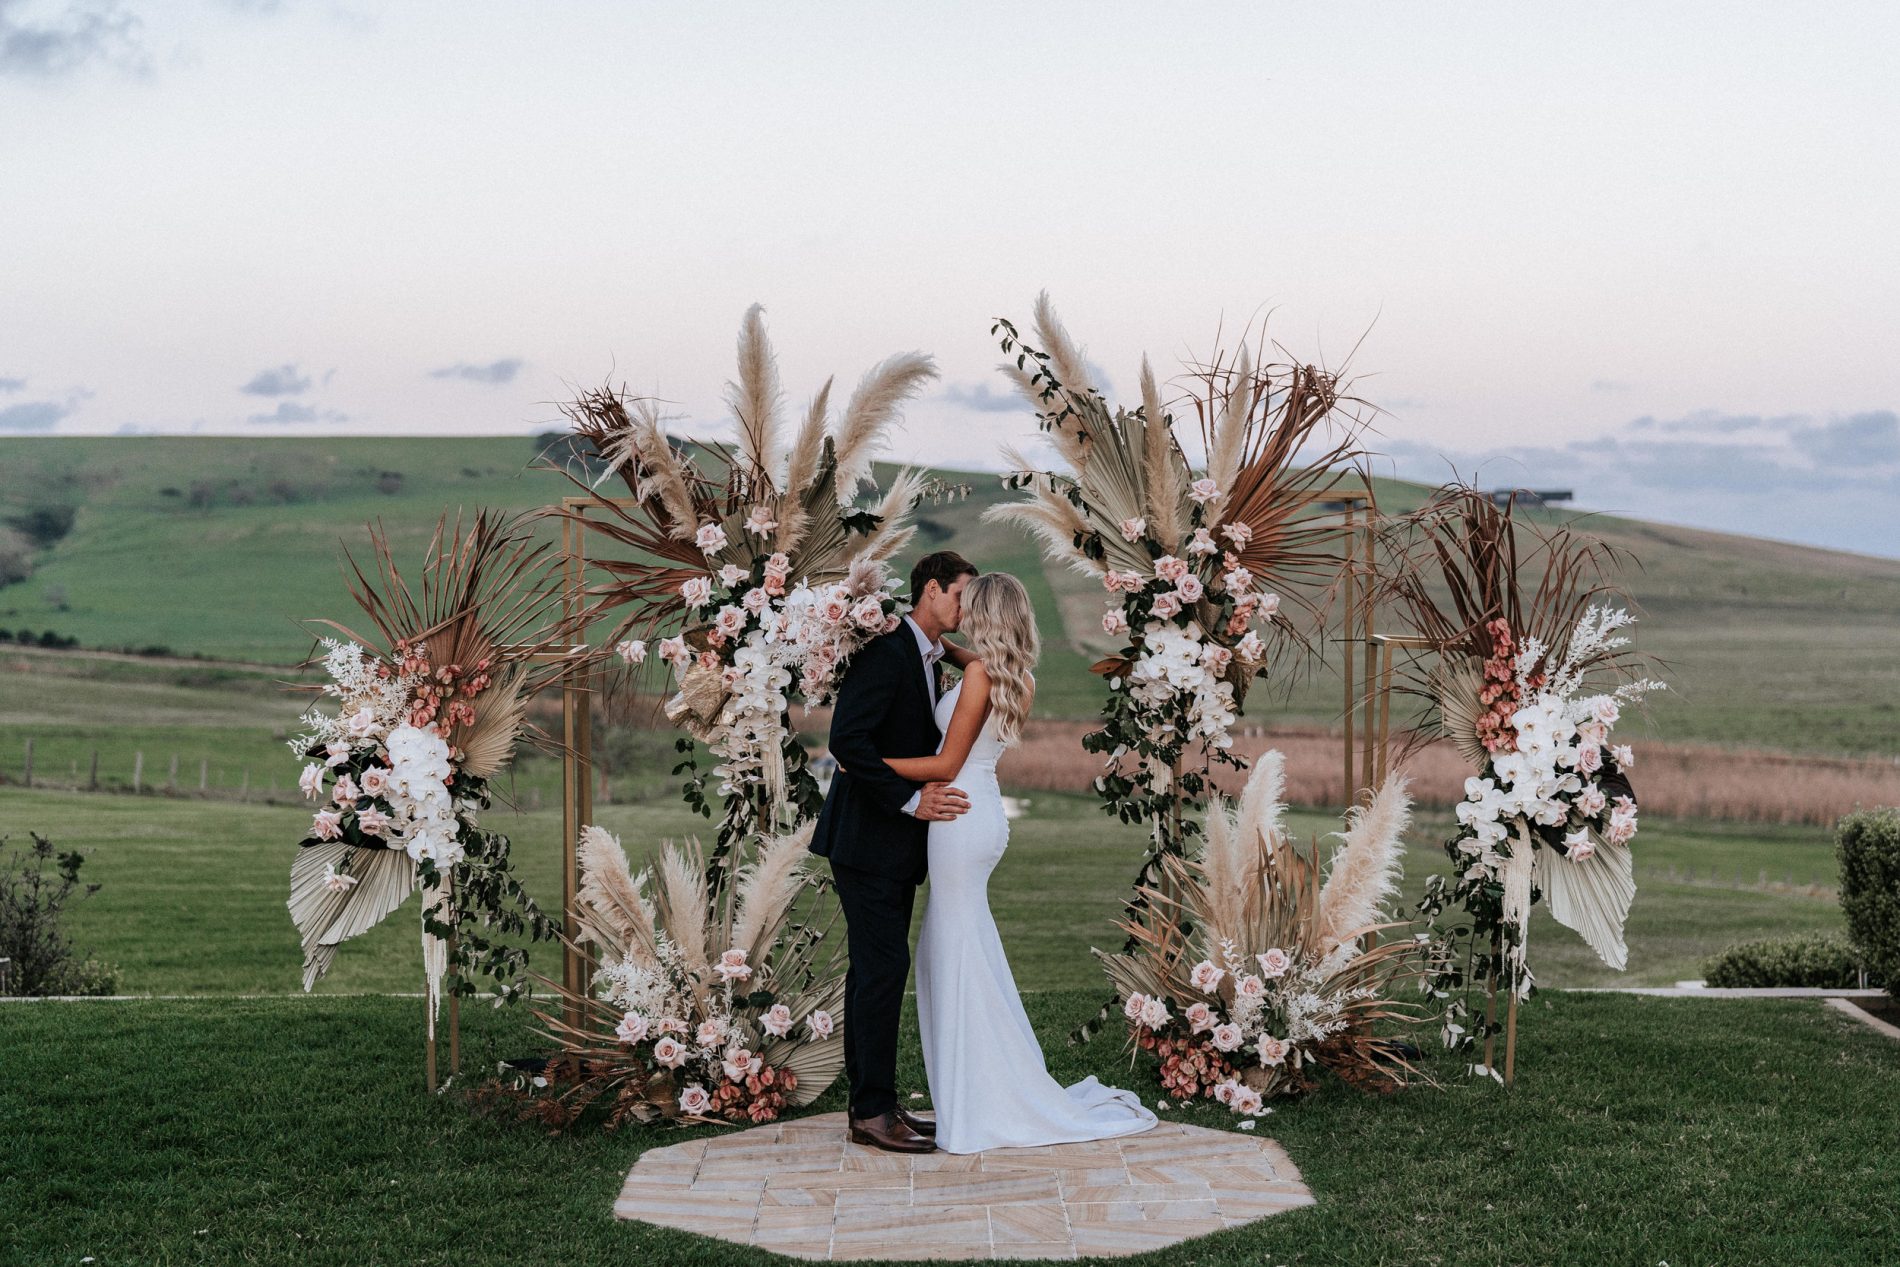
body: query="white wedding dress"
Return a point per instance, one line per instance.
(988, 1081)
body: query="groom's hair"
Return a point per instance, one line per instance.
(943, 567)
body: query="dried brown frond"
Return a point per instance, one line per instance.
(754, 399)
(871, 410)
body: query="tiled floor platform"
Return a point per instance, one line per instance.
(798, 1188)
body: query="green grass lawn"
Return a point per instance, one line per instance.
(194, 890)
(1642, 1131)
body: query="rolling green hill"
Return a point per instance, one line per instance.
(218, 547)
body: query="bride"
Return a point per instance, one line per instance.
(988, 1081)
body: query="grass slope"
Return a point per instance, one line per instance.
(219, 546)
(295, 1131)
(194, 891)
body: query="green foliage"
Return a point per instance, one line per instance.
(1868, 845)
(42, 960)
(1816, 960)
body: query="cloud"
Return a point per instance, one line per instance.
(284, 380)
(495, 372)
(1825, 481)
(37, 415)
(297, 411)
(1859, 441)
(1713, 421)
(984, 400)
(12, 384)
(52, 46)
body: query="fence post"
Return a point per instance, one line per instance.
(244, 790)
(29, 761)
(92, 780)
(204, 770)
(138, 771)
(171, 779)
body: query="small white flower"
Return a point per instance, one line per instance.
(633, 650)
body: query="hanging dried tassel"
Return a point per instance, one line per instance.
(1517, 900)
(435, 950)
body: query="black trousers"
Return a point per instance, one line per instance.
(877, 935)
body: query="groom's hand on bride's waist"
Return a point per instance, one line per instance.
(939, 803)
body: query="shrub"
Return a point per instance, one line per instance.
(1822, 960)
(1868, 845)
(31, 903)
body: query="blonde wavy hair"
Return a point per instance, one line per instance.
(1001, 625)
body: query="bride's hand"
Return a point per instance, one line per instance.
(959, 658)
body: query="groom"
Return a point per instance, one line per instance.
(873, 829)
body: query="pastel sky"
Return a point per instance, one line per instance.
(1646, 251)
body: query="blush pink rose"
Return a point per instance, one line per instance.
(777, 1021)
(1273, 1050)
(1170, 569)
(1166, 605)
(731, 575)
(1238, 533)
(373, 822)
(868, 613)
(1249, 986)
(696, 590)
(632, 1028)
(759, 520)
(709, 1034)
(1227, 1037)
(710, 537)
(1132, 528)
(1200, 1017)
(1224, 1091)
(1589, 758)
(311, 781)
(1274, 962)
(1237, 581)
(1202, 543)
(1205, 976)
(694, 1100)
(732, 965)
(820, 1023)
(327, 825)
(1113, 622)
(670, 1052)
(1189, 588)
(755, 600)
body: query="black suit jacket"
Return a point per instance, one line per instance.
(884, 709)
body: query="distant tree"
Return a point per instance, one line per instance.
(389, 482)
(44, 525)
(16, 556)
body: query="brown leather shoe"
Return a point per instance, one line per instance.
(925, 1126)
(888, 1132)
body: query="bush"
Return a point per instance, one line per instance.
(31, 903)
(1819, 960)
(1868, 845)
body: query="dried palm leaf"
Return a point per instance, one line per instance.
(1593, 897)
(325, 917)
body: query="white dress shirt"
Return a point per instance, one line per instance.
(931, 652)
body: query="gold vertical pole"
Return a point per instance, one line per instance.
(1385, 708)
(1510, 1039)
(1370, 652)
(455, 1022)
(1346, 658)
(584, 812)
(571, 780)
